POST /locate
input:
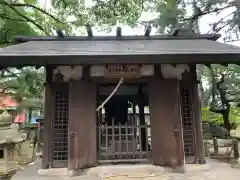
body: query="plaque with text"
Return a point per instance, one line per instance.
(125, 71)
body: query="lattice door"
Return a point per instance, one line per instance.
(187, 124)
(60, 133)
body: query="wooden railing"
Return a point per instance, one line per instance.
(124, 142)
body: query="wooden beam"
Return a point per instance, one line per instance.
(86, 73)
(193, 71)
(60, 33)
(148, 31)
(208, 65)
(3, 67)
(89, 31)
(49, 74)
(19, 66)
(175, 32)
(119, 32)
(38, 66)
(58, 78)
(225, 64)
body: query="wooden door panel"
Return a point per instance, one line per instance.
(82, 124)
(165, 116)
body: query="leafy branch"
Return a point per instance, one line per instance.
(217, 29)
(194, 17)
(31, 6)
(13, 19)
(200, 13)
(23, 16)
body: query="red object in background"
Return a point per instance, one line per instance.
(7, 102)
(20, 118)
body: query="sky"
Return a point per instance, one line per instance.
(203, 23)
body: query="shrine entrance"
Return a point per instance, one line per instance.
(123, 124)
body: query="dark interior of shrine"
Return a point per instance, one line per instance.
(129, 102)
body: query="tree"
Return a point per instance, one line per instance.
(26, 86)
(71, 15)
(225, 90)
(188, 13)
(68, 15)
(23, 19)
(221, 83)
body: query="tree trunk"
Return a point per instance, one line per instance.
(226, 120)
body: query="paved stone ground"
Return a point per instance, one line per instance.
(214, 171)
(30, 172)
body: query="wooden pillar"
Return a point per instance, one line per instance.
(197, 118)
(82, 124)
(165, 117)
(48, 110)
(186, 89)
(142, 119)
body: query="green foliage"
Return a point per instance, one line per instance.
(235, 115)
(112, 12)
(26, 86)
(30, 1)
(72, 15)
(216, 118)
(170, 14)
(209, 116)
(12, 24)
(221, 93)
(231, 84)
(187, 13)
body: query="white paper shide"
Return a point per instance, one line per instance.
(69, 72)
(170, 71)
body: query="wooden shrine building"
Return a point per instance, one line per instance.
(121, 99)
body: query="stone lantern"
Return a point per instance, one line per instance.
(10, 138)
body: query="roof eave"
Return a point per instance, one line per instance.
(21, 39)
(27, 60)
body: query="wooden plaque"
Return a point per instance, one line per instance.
(118, 71)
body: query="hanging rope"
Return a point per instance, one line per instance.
(109, 97)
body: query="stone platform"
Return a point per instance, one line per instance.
(213, 170)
